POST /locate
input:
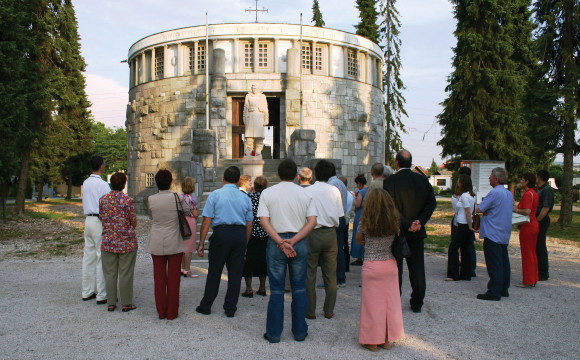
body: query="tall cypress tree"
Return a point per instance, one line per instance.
(317, 15)
(482, 115)
(559, 52)
(368, 25)
(393, 85)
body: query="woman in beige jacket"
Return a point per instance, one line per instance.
(165, 244)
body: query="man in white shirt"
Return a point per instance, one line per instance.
(94, 188)
(322, 243)
(287, 214)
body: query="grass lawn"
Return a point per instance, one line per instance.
(571, 233)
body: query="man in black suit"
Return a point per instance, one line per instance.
(413, 196)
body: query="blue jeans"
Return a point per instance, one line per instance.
(277, 265)
(340, 261)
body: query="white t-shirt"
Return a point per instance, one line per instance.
(327, 202)
(287, 205)
(93, 189)
(465, 201)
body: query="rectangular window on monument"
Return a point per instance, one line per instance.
(262, 55)
(318, 58)
(352, 64)
(191, 58)
(248, 55)
(306, 57)
(159, 57)
(201, 57)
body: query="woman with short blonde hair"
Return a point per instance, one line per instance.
(188, 187)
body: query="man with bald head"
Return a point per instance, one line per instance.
(413, 196)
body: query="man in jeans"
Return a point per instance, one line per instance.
(495, 230)
(287, 214)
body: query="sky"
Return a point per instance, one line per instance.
(108, 28)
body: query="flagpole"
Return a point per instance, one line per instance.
(300, 65)
(206, 73)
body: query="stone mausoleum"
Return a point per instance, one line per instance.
(342, 109)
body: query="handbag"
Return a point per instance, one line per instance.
(184, 228)
(400, 247)
(476, 219)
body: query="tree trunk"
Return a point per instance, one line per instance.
(40, 189)
(69, 187)
(566, 189)
(3, 196)
(22, 181)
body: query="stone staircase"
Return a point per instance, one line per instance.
(270, 172)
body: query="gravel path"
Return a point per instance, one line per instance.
(43, 318)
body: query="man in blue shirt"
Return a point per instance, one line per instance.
(340, 230)
(229, 213)
(495, 230)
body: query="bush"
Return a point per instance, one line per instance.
(436, 190)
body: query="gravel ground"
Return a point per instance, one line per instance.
(43, 317)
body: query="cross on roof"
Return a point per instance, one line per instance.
(256, 10)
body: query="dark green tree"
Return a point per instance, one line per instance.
(14, 97)
(75, 170)
(368, 25)
(111, 144)
(393, 85)
(482, 114)
(317, 15)
(433, 169)
(558, 39)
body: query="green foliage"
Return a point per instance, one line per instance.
(557, 172)
(433, 169)
(482, 114)
(436, 190)
(111, 144)
(317, 15)
(558, 48)
(368, 25)
(393, 86)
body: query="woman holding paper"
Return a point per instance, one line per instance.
(528, 231)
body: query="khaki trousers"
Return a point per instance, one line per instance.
(322, 247)
(121, 268)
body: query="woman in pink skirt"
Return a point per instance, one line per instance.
(188, 187)
(381, 314)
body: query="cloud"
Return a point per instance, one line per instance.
(109, 100)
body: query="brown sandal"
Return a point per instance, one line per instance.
(370, 347)
(111, 307)
(128, 308)
(386, 345)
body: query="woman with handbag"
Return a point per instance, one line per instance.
(528, 231)
(119, 246)
(463, 235)
(165, 244)
(381, 314)
(188, 187)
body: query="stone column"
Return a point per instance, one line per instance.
(293, 88)
(180, 59)
(255, 67)
(153, 64)
(302, 146)
(143, 67)
(218, 99)
(275, 56)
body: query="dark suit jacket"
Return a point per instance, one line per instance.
(413, 196)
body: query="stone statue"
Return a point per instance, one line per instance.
(255, 118)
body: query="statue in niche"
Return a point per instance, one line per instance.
(255, 118)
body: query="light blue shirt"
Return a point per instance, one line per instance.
(335, 181)
(228, 206)
(497, 224)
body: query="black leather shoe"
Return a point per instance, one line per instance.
(90, 297)
(416, 309)
(301, 338)
(101, 302)
(505, 293)
(487, 297)
(270, 340)
(202, 311)
(230, 314)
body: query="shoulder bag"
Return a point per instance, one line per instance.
(184, 228)
(400, 247)
(476, 218)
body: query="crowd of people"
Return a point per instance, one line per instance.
(283, 233)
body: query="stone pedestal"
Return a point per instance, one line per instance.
(253, 166)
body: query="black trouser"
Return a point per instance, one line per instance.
(416, 267)
(498, 267)
(542, 250)
(227, 247)
(461, 238)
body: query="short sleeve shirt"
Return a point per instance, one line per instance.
(465, 201)
(497, 224)
(287, 205)
(228, 206)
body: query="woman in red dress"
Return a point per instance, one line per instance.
(528, 232)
